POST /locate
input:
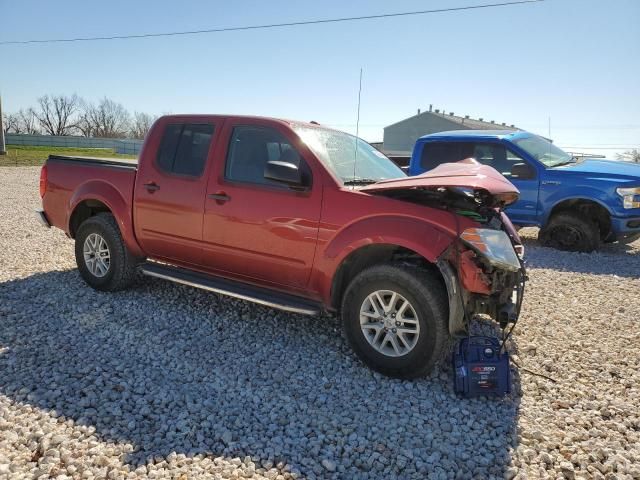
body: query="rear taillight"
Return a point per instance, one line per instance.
(43, 180)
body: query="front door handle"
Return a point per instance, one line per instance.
(151, 187)
(219, 197)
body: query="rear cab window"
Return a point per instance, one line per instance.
(492, 154)
(437, 153)
(184, 147)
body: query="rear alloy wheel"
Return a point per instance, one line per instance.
(101, 255)
(395, 318)
(96, 255)
(571, 231)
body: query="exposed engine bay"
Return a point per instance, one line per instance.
(485, 261)
(483, 269)
(491, 284)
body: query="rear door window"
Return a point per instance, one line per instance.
(168, 147)
(184, 147)
(437, 153)
(496, 156)
(491, 154)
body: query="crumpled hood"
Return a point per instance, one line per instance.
(459, 174)
(604, 168)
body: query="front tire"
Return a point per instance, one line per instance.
(571, 231)
(395, 319)
(101, 255)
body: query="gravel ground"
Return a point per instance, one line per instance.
(164, 381)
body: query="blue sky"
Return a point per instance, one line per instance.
(576, 61)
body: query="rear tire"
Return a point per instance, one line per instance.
(571, 231)
(416, 333)
(101, 255)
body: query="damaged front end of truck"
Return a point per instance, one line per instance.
(483, 268)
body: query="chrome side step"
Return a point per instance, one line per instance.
(243, 291)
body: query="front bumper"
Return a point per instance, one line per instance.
(457, 320)
(623, 227)
(503, 305)
(42, 218)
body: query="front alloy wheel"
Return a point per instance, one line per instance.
(395, 318)
(389, 323)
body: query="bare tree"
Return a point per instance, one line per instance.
(630, 155)
(11, 123)
(56, 114)
(84, 121)
(141, 124)
(108, 119)
(84, 126)
(28, 121)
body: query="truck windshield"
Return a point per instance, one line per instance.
(337, 151)
(544, 151)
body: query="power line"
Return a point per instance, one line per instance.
(271, 25)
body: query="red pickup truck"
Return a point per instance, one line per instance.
(299, 217)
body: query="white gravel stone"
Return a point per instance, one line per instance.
(329, 465)
(163, 381)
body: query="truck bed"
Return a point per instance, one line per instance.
(96, 161)
(110, 181)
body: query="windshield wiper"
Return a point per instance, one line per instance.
(360, 181)
(568, 162)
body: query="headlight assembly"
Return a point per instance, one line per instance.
(494, 245)
(630, 197)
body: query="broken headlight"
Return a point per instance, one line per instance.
(494, 245)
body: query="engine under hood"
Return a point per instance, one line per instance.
(466, 178)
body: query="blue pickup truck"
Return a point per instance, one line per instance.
(578, 204)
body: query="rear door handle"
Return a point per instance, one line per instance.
(219, 197)
(151, 187)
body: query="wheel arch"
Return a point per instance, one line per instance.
(96, 197)
(83, 210)
(587, 206)
(369, 255)
(370, 240)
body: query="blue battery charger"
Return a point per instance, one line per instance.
(480, 368)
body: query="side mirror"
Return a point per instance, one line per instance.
(283, 172)
(523, 171)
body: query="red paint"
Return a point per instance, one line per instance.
(284, 239)
(168, 222)
(69, 185)
(263, 232)
(471, 276)
(459, 174)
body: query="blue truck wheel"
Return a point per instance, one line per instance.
(571, 231)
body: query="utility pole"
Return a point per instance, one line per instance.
(3, 149)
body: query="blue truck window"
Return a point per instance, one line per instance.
(436, 153)
(494, 155)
